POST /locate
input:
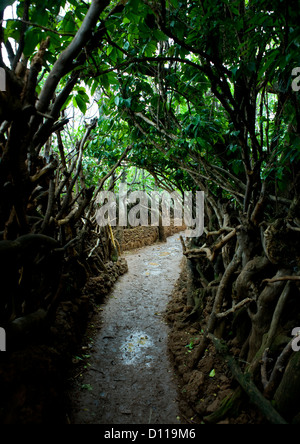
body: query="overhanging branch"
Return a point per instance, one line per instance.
(64, 63)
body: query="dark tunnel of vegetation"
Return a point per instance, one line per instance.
(176, 95)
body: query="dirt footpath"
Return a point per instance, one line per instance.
(128, 378)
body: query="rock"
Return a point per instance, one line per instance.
(213, 407)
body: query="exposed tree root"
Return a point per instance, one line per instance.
(247, 385)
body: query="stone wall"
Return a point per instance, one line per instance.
(139, 237)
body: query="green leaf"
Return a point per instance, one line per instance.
(212, 373)
(160, 36)
(272, 57)
(150, 49)
(234, 71)
(87, 387)
(68, 23)
(112, 77)
(12, 30)
(174, 3)
(32, 38)
(105, 81)
(191, 345)
(80, 103)
(133, 5)
(109, 50)
(40, 18)
(114, 53)
(126, 46)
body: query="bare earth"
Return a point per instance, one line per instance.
(129, 378)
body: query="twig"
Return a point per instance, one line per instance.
(44, 28)
(47, 116)
(226, 239)
(111, 172)
(218, 233)
(68, 245)
(235, 263)
(95, 248)
(183, 244)
(49, 206)
(264, 373)
(278, 370)
(289, 226)
(50, 167)
(67, 219)
(277, 314)
(235, 308)
(211, 253)
(196, 252)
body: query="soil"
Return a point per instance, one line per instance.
(33, 374)
(123, 374)
(202, 390)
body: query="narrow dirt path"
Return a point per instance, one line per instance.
(130, 379)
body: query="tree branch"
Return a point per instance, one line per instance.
(247, 385)
(281, 279)
(234, 309)
(211, 252)
(22, 37)
(161, 130)
(64, 63)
